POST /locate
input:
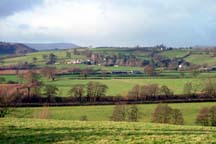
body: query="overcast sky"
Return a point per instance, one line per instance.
(109, 22)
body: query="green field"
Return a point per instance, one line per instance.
(36, 131)
(103, 113)
(61, 54)
(201, 59)
(198, 57)
(175, 53)
(122, 86)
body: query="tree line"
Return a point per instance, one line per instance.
(164, 114)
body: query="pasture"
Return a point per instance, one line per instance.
(103, 113)
(27, 131)
(121, 86)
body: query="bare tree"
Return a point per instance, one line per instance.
(78, 91)
(96, 90)
(209, 87)
(177, 117)
(162, 114)
(150, 90)
(49, 72)
(30, 77)
(165, 90)
(50, 92)
(165, 114)
(119, 113)
(6, 99)
(135, 92)
(150, 70)
(133, 113)
(188, 88)
(203, 117)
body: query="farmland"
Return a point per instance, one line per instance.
(103, 113)
(120, 86)
(197, 57)
(63, 124)
(63, 131)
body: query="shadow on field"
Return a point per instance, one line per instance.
(49, 135)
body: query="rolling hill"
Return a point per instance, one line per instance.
(50, 46)
(14, 49)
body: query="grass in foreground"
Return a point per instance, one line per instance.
(56, 131)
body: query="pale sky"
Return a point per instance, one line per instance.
(109, 22)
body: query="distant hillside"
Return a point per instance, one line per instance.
(14, 49)
(49, 46)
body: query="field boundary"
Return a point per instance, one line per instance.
(110, 103)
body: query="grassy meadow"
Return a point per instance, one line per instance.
(121, 86)
(36, 131)
(103, 113)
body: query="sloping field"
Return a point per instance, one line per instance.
(175, 53)
(36, 131)
(61, 54)
(201, 59)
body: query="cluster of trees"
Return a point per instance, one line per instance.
(122, 112)
(207, 116)
(162, 114)
(190, 90)
(50, 58)
(6, 97)
(131, 59)
(150, 91)
(93, 91)
(165, 114)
